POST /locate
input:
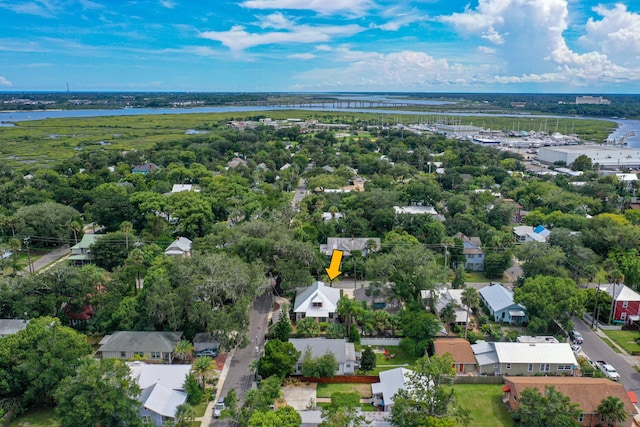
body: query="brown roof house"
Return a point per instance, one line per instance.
(585, 391)
(464, 360)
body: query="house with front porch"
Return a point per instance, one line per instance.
(81, 251)
(626, 303)
(472, 251)
(499, 303)
(318, 301)
(521, 358)
(151, 345)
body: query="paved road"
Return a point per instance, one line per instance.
(239, 377)
(596, 349)
(47, 259)
(301, 191)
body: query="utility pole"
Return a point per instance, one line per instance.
(26, 241)
(595, 309)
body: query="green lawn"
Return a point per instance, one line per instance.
(365, 407)
(626, 340)
(400, 358)
(327, 390)
(484, 401)
(40, 417)
(474, 276)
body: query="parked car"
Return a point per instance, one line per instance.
(217, 411)
(576, 348)
(576, 337)
(207, 353)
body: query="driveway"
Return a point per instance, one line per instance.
(596, 349)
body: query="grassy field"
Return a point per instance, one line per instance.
(51, 140)
(626, 340)
(400, 358)
(484, 402)
(327, 390)
(41, 417)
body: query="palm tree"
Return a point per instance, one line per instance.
(201, 367)
(76, 227)
(126, 227)
(612, 409)
(183, 349)
(184, 415)
(448, 314)
(471, 300)
(347, 309)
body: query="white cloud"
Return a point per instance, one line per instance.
(324, 7)
(167, 4)
(485, 49)
(303, 56)
(5, 82)
(42, 8)
(617, 34)
(238, 38)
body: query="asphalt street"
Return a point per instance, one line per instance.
(596, 349)
(239, 376)
(301, 191)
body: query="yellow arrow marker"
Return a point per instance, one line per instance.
(334, 267)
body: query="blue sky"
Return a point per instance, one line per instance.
(581, 46)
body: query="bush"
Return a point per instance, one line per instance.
(354, 336)
(324, 326)
(335, 330)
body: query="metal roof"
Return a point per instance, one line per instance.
(517, 352)
(141, 341)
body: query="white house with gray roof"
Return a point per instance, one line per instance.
(317, 301)
(344, 351)
(522, 358)
(152, 345)
(179, 247)
(11, 326)
(499, 301)
(391, 382)
(162, 390)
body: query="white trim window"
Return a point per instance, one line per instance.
(530, 367)
(545, 367)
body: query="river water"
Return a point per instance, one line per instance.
(625, 127)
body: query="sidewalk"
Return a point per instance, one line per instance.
(208, 413)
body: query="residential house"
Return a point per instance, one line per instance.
(445, 296)
(162, 390)
(419, 210)
(524, 234)
(464, 361)
(519, 212)
(177, 188)
(331, 216)
(155, 346)
(146, 168)
(391, 381)
(499, 301)
(317, 301)
(81, 252)
(585, 391)
(348, 244)
(472, 250)
(205, 341)
(235, 162)
(521, 358)
(11, 326)
(179, 247)
(626, 303)
(344, 351)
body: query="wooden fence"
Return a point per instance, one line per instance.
(339, 379)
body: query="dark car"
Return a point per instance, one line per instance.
(576, 337)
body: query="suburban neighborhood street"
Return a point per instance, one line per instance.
(596, 349)
(239, 376)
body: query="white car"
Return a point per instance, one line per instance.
(217, 411)
(576, 348)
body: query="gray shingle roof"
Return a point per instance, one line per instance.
(341, 349)
(497, 296)
(11, 326)
(142, 341)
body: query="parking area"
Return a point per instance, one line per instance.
(300, 397)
